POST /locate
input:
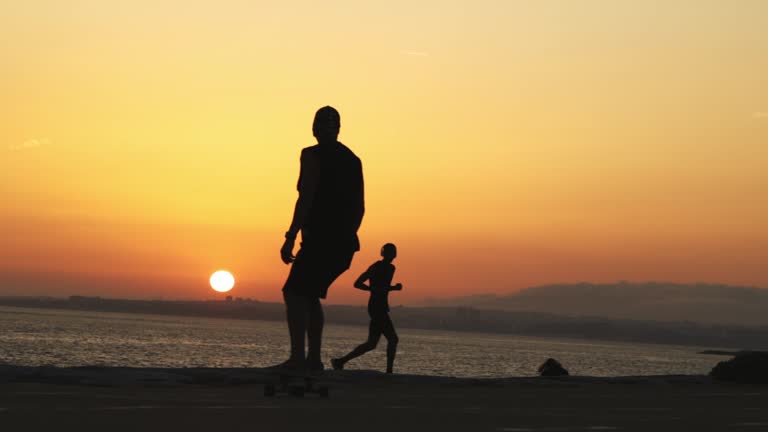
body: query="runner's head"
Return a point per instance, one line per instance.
(389, 251)
(327, 124)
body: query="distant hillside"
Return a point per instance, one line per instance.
(704, 303)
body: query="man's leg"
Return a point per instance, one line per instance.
(392, 340)
(355, 353)
(331, 264)
(374, 334)
(315, 332)
(296, 314)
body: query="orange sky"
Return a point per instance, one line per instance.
(504, 143)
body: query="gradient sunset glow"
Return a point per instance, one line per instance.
(504, 143)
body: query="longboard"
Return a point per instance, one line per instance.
(295, 385)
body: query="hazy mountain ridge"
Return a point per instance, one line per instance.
(656, 301)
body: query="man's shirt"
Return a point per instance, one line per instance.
(379, 274)
(337, 208)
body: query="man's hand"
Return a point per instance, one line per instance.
(286, 252)
(397, 287)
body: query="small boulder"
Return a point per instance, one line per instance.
(746, 367)
(552, 367)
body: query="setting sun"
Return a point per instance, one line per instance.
(222, 281)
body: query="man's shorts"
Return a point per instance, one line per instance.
(315, 269)
(381, 324)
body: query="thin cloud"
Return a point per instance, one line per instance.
(30, 144)
(415, 53)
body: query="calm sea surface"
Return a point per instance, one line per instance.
(33, 337)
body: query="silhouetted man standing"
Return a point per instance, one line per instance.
(328, 213)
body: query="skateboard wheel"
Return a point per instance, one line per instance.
(323, 392)
(269, 390)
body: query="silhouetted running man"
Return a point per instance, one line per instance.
(328, 213)
(379, 275)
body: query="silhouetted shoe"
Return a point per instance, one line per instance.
(337, 364)
(290, 366)
(315, 368)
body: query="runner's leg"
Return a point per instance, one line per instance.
(388, 329)
(374, 334)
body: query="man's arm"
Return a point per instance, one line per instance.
(360, 282)
(308, 179)
(396, 287)
(310, 176)
(359, 199)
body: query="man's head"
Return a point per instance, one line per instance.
(389, 251)
(327, 124)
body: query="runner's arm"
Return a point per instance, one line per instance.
(360, 282)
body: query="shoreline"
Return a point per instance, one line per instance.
(175, 377)
(362, 321)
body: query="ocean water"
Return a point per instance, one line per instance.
(33, 337)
